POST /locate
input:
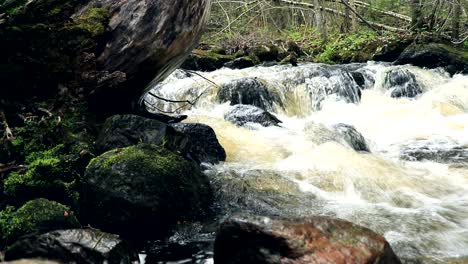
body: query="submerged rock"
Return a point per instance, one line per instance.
(243, 114)
(435, 55)
(86, 246)
(142, 191)
(352, 137)
(202, 143)
(249, 91)
(250, 240)
(403, 83)
(36, 217)
(442, 151)
(126, 130)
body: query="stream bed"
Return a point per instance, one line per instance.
(407, 178)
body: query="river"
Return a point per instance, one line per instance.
(412, 184)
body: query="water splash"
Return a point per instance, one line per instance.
(305, 168)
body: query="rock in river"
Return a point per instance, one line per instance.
(243, 114)
(86, 246)
(250, 91)
(315, 240)
(141, 191)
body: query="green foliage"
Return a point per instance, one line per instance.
(352, 48)
(35, 217)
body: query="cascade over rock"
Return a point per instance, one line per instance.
(403, 83)
(243, 114)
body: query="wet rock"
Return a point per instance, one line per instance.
(264, 53)
(31, 261)
(202, 144)
(240, 63)
(391, 51)
(352, 137)
(243, 114)
(249, 91)
(87, 246)
(442, 151)
(332, 82)
(206, 60)
(359, 79)
(36, 217)
(126, 130)
(435, 55)
(403, 83)
(310, 240)
(142, 191)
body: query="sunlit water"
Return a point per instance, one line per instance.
(421, 207)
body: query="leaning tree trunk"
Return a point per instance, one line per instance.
(106, 52)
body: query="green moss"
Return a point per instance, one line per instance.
(150, 157)
(36, 216)
(94, 21)
(52, 173)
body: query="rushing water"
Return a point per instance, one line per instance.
(412, 186)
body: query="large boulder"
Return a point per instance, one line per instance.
(203, 146)
(402, 83)
(86, 246)
(435, 55)
(35, 217)
(250, 91)
(113, 49)
(244, 114)
(142, 191)
(126, 130)
(263, 240)
(205, 60)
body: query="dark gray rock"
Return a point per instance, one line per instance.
(249, 240)
(243, 114)
(249, 91)
(142, 191)
(240, 63)
(435, 55)
(442, 151)
(126, 130)
(202, 144)
(352, 137)
(86, 246)
(403, 83)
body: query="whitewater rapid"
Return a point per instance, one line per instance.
(420, 206)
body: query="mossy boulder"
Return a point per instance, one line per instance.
(206, 60)
(240, 63)
(141, 191)
(434, 55)
(264, 53)
(35, 217)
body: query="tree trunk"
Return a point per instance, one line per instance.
(319, 22)
(354, 22)
(456, 20)
(416, 11)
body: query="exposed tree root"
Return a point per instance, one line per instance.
(7, 134)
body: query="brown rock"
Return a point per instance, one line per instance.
(301, 241)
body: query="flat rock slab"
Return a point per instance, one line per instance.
(309, 240)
